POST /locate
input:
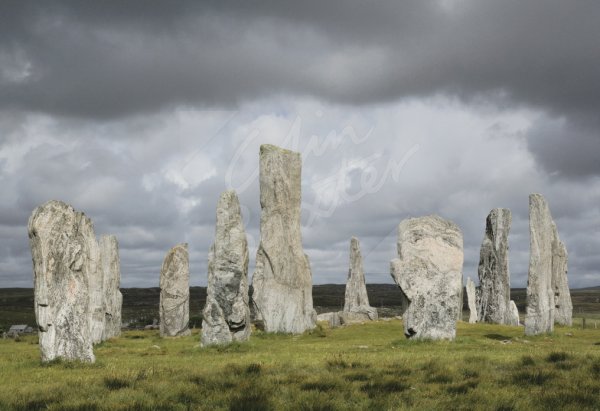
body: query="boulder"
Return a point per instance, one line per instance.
(226, 316)
(429, 273)
(282, 280)
(332, 319)
(513, 318)
(563, 307)
(472, 300)
(113, 299)
(175, 293)
(62, 242)
(357, 300)
(494, 274)
(540, 295)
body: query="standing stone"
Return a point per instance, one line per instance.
(514, 314)
(282, 281)
(60, 240)
(226, 316)
(540, 295)
(494, 274)
(472, 300)
(96, 284)
(113, 299)
(429, 273)
(357, 300)
(175, 293)
(333, 319)
(563, 311)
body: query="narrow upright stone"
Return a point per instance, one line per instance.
(96, 284)
(429, 274)
(226, 316)
(60, 238)
(357, 300)
(494, 274)
(514, 314)
(472, 300)
(175, 293)
(563, 307)
(540, 295)
(282, 280)
(113, 299)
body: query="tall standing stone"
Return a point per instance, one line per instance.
(357, 300)
(472, 300)
(282, 280)
(514, 314)
(226, 316)
(563, 311)
(540, 295)
(96, 284)
(429, 273)
(60, 240)
(175, 293)
(494, 274)
(113, 299)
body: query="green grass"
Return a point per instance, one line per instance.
(361, 367)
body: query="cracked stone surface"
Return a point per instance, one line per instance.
(429, 273)
(62, 242)
(494, 274)
(282, 280)
(226, 315)
(175, 293)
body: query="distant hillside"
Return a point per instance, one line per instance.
(140, 305)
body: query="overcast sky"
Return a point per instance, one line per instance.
(140, 113)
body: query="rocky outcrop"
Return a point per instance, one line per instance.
(62, 242)
(175, 293)
(563, 307)
(540, 295)
(429, 273)
(472, 300)
(282, 280)
(226, 316)
(494, 274)
(110, 265)
(513, 318)
(357, 300)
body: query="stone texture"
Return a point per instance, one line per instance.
(472, 300)
(96, 290)
(226, 316)
(513, 318)
(175, 293)
(333, 319)
(494, 274)
(429, 273)
(540, 295)
(282, 280)
(356, 299)
(563, 307)
(60, 240)
(113, 299)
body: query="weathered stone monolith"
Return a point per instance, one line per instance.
(563, 307)
(494, 274)
(332, 319)
(60, 240)
(113, 299)
(472, 300)
(96, 287)
(513, 318)
(226, 316)
(429, 274)
(357, 300)
(282, 280)
(540, 295)
(175, 293)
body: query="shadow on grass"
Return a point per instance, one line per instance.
(497, 337)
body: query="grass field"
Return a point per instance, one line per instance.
(361, 367)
